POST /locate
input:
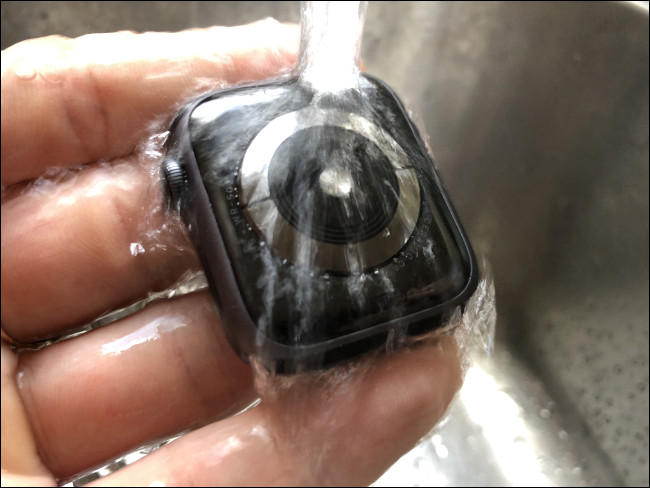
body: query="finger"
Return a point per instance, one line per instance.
(21, 464)
(159, 372)
(73, 249)
(72, 101)
(345, 433)
(11, 479)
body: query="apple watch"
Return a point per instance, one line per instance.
(321, 223)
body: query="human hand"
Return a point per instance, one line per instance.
(67, 258)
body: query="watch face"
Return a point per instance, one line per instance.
(328, 215)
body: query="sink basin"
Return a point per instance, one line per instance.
(538, 118)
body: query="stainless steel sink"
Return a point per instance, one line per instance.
(538, 117)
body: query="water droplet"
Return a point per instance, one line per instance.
(419, 462)
(51, 74)
(25, 70)
(544, 413)
(136, 248)
(472, 442)
(439, 447)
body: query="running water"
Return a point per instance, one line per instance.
(330, 44)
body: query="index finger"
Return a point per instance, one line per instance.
(67, 102)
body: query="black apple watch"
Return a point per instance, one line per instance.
(321, 223)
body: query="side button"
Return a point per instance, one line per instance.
(174, 183)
